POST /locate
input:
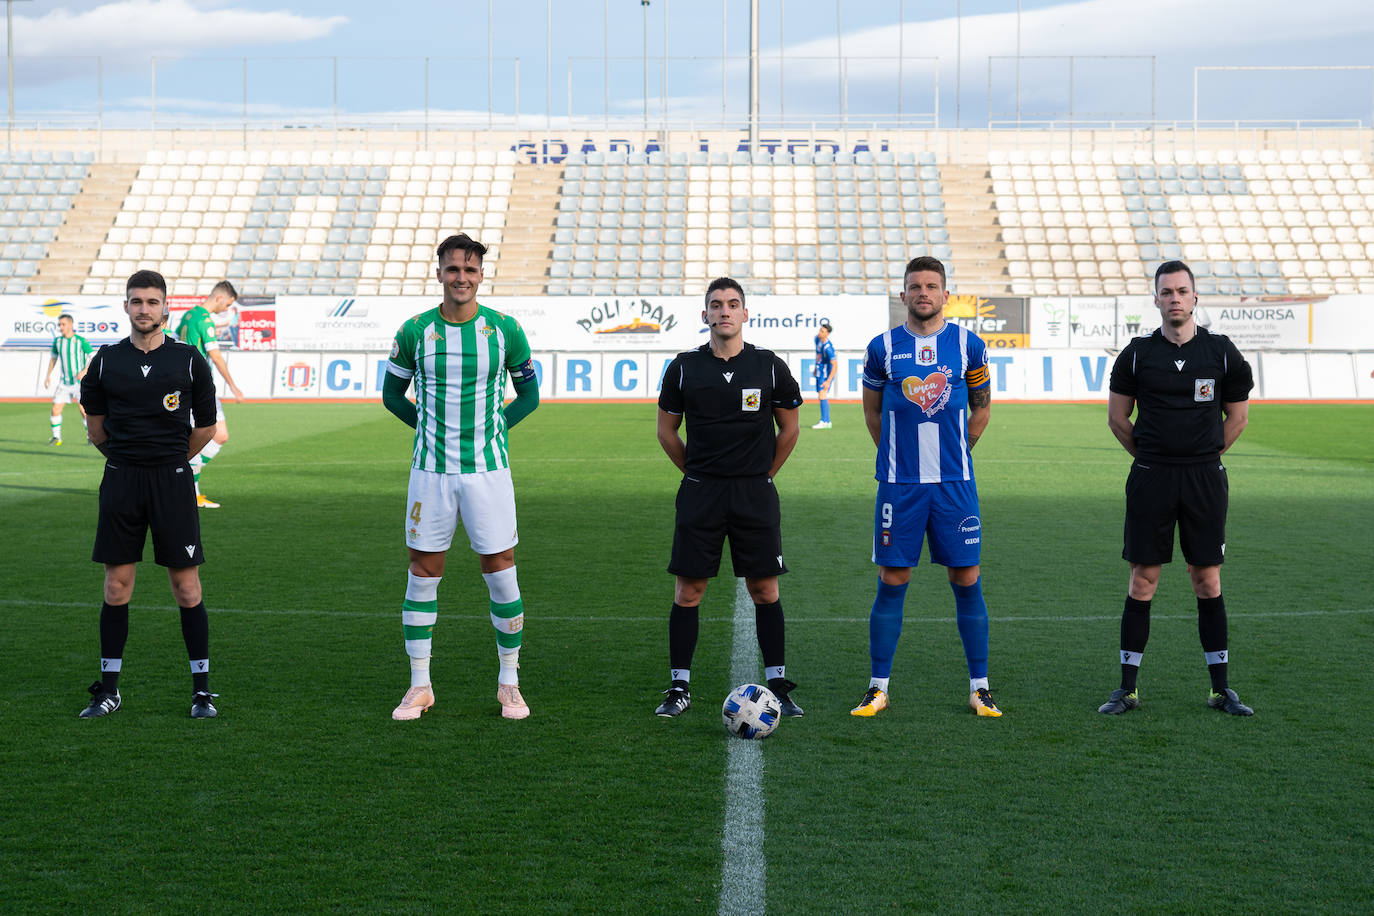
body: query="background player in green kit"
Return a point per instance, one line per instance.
(71, 352)
(197, 328)
(458, 355)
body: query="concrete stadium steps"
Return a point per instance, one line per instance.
(975, 238)
(88, 222)
(527, 244)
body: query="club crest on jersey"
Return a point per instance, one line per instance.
(930, 393)
(926, 355)
(1204, 389)
(485, 329)
(395, 349)
(753, 397)
(172, 401)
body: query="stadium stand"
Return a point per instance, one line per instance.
(1253, 222)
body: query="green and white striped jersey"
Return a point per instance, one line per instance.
(72, 354)
(459, 371)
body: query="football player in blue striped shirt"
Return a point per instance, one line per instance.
(926, 399)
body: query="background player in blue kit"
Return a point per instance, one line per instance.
(919, 380)
(825, 373)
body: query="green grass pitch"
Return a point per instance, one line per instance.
(304, 795)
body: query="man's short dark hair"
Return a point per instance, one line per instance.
(724, 283)
(826, 325)
(146, 279)
(925, 262)
(66, 316)
(461, 242)
(1174, 267)
(224, 286)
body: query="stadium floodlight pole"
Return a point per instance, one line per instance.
(548, 64)
(753, 76)
(606, 61)
(644, 8)
(839, 64)
(9, 62)
(958, 60)
(490, 99)
(663, 78)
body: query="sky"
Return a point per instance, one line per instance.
(951, 62)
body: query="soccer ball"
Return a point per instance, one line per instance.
(751, 711)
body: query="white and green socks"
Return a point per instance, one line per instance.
(508, 618)
(419, 611)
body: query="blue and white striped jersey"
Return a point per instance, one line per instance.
(925, 383)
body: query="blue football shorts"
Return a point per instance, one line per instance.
(906, 514)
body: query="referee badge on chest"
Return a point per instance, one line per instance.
(752, 398)
(1204, 389)
(172, 401)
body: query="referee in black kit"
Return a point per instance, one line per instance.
(1190, 390)
(150, 406)
(732, 394)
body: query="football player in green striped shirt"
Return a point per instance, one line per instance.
(197, 328)
(72, 352)
(459, 355)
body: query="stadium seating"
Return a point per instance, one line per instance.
(1249, 223)
(270, 222)
(36, 192)
(768, 219)
(295, 222)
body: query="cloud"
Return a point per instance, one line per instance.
(140, 29)
(1089, 27)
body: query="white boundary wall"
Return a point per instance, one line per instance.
(1017, 375)
(617, 348)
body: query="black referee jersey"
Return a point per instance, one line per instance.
(729, 408)
(1179, 391)
(148, 399)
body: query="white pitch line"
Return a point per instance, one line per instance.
(743, 869)
(600, 618)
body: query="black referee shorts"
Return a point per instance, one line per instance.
(134, 499)
(710, 509)
(1192, 496)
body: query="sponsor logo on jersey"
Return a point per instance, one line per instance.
(434, 335)
(172, 401)
(753, 397)
(971, 527)
(1204, 389)
(1178, 364)
(146, 370)
(931, 393)
(190, 550)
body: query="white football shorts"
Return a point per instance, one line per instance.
(484, 502)
(67, 394)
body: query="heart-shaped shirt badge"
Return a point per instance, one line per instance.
(929, 392)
